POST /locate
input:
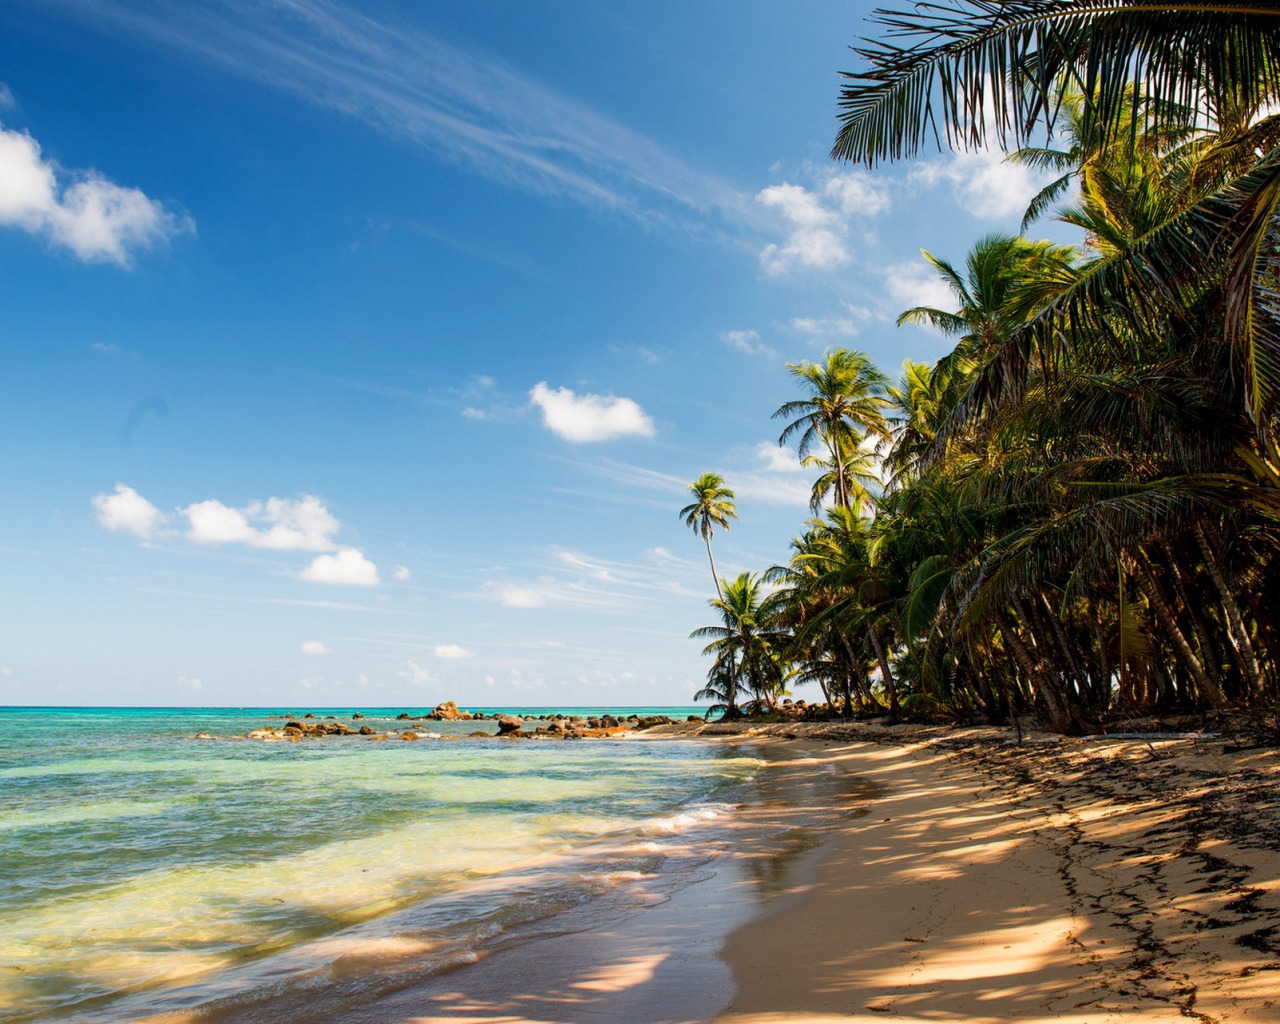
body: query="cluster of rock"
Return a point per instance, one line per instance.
(296, 730)
(299, 727)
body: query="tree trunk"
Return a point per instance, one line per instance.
(715, 576)
(1060, 717)
(1208, 688)
(863, 689)
(886, 676)
(1242, 644)
(1060, 634)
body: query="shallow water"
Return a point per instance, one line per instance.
(143, 869)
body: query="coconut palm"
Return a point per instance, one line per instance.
(713, 506)
(980, 72)
(743, 645)
(845, 406)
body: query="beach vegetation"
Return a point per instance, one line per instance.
(1073, 515)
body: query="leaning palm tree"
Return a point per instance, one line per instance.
(979, 72)
(713, 507)
(845, 406)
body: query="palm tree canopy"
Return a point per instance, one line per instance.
(846, 402)
(970, 72)
(713, 505)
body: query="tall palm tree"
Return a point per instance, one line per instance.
(743, 645)
(713, 506)
(845, 406)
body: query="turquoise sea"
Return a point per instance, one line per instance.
(143, 871)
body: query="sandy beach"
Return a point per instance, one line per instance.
(936, 875)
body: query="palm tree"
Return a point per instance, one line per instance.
(845, 407)
(743, 646)
(979, 71)
(713, 507)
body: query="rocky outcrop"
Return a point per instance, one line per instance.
(448, 712)
(509, 725)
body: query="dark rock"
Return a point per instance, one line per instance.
(309, 715)
(404, 716)
(356, 714)
(367, 730)
(693, 718)
(508, 724)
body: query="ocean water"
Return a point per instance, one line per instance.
(143, 871)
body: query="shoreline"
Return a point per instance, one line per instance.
(902, 872)
(967, 879)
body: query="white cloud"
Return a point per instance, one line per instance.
(983, 183)
(917, 284)
(857, 193)
(587, 418)
(820, 220)
(93, 217)
(746, 341)
(99, 346)
(472, 413)
(347, 567)
(815, 239)
(402, 573)
(823, 327)
(451, 651)
(127, 511)
(191, 683)
(7, 101)
(278, 523)
(513, 596)
(415, 673)
(314, 647)
(778, 478)
(778, 459)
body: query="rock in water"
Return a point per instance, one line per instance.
(509, 724)
(446, 712)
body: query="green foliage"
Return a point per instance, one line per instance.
(1082, 510)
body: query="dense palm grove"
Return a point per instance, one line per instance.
(1074, 514)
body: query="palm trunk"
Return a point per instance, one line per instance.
(887, 677)
(1208, 687)
(1243, 645)
(715, 576)
(733, 668)
(1039, 674)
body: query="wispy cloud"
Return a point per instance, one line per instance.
(575, 579)
(464, 106)
(747, 341)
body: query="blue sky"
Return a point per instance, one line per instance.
(359, 354)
